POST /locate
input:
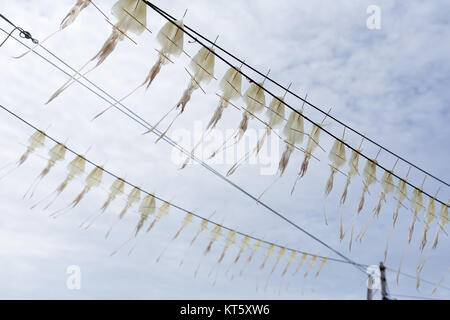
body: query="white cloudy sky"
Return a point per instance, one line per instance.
(391, 84)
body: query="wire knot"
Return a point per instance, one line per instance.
(26, 35)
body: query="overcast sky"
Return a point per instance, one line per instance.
(390, 83)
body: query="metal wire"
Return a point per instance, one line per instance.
(159, 198)
(165, 14)
(170, 18)
(129, 113)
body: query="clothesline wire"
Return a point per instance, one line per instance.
(158, 133)
(166, 15)
(194, 214)
(170, 18)
(159, 198)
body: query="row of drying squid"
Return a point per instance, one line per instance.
(131, 16)
(147, 207)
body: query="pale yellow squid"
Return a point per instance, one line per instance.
(35, 141)
(311, 146)
(202, 66)
(171, 39)
(401, 196)
(133, 197)
(387, 187)
(202, 228)
(131, 17)
(186, 221)
(276, 115)
(255, 102)
(93, 180)
(116, 189)
(443, 221)
(338, 159)
(75, 168)
(56, 154)
(216, 232)
(255, 248)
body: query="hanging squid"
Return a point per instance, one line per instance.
(417, 206)
(311, 265)
(387, 186)
(256, 246)
(171, 38)
(269, 251)
(443, 221)
(116, 189)
(36, 141)
(68, 20)
(203, 227)
(255, 102)
(132, 17)
(302, 261)
(280, 255)
(244, 245)
(430, 215)
(56, 153)
(75, 168)
(215, 234)
(133, 197)
(276, 113)
(146, 208)
(352, 171)
(401, 196)
(291, 259)
(323, 261)
(245, 242)
(93, 180)
(338, 158)
(162, 212)
(202, 65)
(229, 241)
(186, 221)
(370, 177)
(417, 202)
(231, 85)
(294, 133)
(303, 258)
(311, 145)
